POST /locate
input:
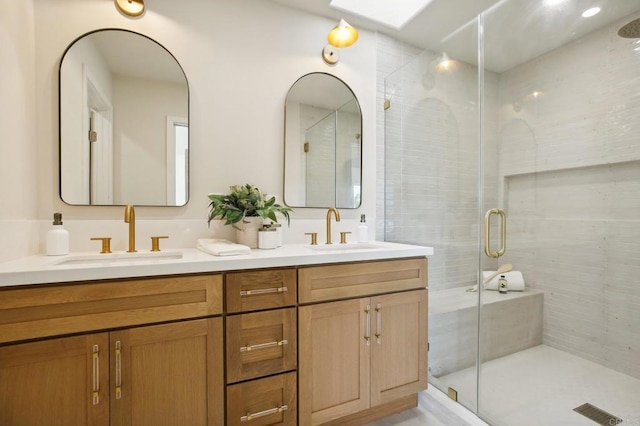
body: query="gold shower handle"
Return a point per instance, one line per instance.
(503, 233)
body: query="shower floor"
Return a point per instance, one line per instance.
(542, 386)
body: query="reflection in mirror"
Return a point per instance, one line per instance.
(323, 144)
(124, 126)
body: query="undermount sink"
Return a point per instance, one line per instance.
(120, 258)
(350, 246)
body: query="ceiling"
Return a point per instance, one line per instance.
(516, 31)
(122, 50)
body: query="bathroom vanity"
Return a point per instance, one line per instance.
(287, 336)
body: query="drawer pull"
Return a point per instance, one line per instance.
(263, 345)
(118, 369)
(251, 416)
(259, 291)
(367, 325)
(96, 375)
(379, 323)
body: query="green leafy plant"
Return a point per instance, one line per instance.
(245, 201)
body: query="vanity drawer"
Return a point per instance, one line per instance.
(268, 401)
(256, 290)
(340, 281)
(261, 343)
(57, 309)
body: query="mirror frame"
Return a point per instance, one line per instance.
(186, 80)
(355, 98)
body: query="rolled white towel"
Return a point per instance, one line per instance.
(218, 247)
(515, 280)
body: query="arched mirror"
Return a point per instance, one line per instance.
(124, 122)
(323, 144)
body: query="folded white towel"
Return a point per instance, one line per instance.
(218, 247)
(515, 280)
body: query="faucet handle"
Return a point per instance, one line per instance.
(314, 237)
(343, 237)
(155, 242)
(106, 243)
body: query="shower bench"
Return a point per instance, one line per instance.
(510, 323)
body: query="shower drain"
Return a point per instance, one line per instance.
(597, 415)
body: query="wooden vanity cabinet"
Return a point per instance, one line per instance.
(161, 374)
(330, 344)
(363, 357)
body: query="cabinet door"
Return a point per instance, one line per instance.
(333, 360)
(55, 382)
(399, 345)
(169, 374)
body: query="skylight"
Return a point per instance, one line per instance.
(392, 13)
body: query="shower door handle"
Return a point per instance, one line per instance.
(503, 233)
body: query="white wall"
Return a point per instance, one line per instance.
(240, 57)
(138, 155)
(18, 162)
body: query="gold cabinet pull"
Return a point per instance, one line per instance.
(95, 394)
(258, 291)
(367, 325)
(251, 416)
(250, 348)
(379, 323)
(503, 233)
(118, 370)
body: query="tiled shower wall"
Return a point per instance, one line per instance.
(570, 171)
(431, 159)
(391, 54)
(564, 165)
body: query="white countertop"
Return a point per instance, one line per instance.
(41, 269)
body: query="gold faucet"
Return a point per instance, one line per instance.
(337, 216)
(130, 218)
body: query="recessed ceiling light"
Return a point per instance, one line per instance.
(395, 14)
(590, 12)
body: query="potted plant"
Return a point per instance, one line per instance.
(245, 208)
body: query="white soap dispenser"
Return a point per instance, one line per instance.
(57, 238)
(363, 230)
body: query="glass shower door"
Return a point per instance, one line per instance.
(432, 168)
(562, 159)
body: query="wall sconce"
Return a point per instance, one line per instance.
(342, 35)
(130, 7)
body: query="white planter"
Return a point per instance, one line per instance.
(248, 235)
